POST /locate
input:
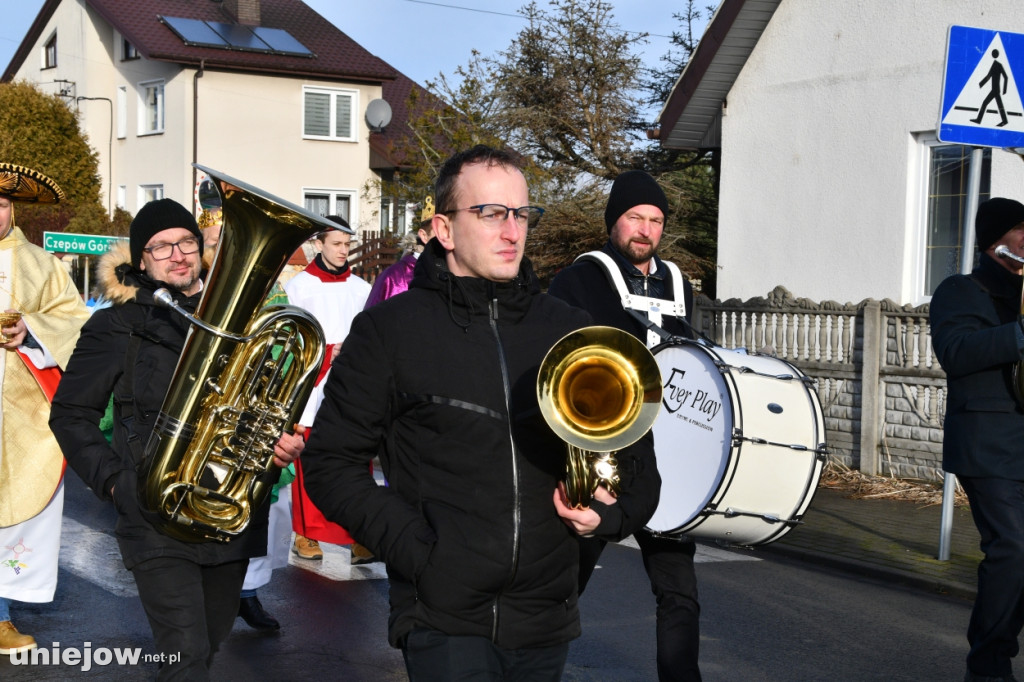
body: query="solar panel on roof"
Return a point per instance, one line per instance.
(236, 36)
(281, 40)
(194, 32)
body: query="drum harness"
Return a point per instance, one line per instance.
(649, 312)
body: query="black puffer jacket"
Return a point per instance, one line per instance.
(95, 372)
(440, 381)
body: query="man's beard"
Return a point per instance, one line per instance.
(182, 283)
(638, 252)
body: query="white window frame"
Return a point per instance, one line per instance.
(335, 95)
(150, 192)
(332, 202)
(49, 54)
(144, 107)
(122, 196)
(122, 111)
(918, 213)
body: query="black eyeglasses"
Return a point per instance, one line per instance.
(493, 215)
(163, 251)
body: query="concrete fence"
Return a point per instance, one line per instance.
(882, 391)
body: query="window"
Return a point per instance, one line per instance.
(50, 52)
(392, 216)
(122, 111)
(151, 107)
(330, 202)
(122, 196)
(148, 193)
(327, 114)
(948, 170)
(128, 50)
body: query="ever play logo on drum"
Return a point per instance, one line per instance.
(676, 396)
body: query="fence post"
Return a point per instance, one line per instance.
(871, 402)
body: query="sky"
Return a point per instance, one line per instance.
(422, 38)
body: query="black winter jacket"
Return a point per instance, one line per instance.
(584, 284)
(95, 372)
(975, 336)
(440, 381)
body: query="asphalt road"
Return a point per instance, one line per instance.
(763, 618)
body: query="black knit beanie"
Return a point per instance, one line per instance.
(633, 188)
(995, 218)
(157, 216)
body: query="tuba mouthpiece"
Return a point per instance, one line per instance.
(163, 298)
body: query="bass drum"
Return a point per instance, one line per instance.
(740, 442)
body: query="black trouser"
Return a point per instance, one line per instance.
(997, 506)
(191, 609)
(433, 656)
(669, 565)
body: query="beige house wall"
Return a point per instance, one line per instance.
(249, 125)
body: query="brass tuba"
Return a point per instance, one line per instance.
(243, 376)
(599, 389)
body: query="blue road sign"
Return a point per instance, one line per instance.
(981, 102)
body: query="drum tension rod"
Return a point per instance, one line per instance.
(770, 518)
(738, 437)
(724, 367)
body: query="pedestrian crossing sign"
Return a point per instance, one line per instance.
(981, 99)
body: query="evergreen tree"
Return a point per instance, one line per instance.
(41, 132)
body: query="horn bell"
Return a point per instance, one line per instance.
(599, 389)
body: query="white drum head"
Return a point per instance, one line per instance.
(692, 436)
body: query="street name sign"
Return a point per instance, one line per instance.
(69, 242)
(981, 101)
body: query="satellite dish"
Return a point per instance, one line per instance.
(378, 115)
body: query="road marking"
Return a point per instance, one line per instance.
(336, 565)
(94, 556)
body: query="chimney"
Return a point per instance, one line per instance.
(244, 11)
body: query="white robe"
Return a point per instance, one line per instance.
(334, 305)
(30, 548)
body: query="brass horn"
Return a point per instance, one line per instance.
(242, 379)
(599, 389)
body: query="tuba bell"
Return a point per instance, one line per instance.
(599, 389)
(242, 379)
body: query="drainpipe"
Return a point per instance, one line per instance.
(195, 129)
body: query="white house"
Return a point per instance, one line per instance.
(266, 91)
(833, 181)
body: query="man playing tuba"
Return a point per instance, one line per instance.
(189, 590)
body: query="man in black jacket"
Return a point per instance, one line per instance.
(635, 218)
(440, 382)
(978, 339)
(190, 591)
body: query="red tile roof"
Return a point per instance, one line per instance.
(396, 93)
(336, 56)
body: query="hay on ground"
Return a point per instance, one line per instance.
(856, 485)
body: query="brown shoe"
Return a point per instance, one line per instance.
(12, 641)
(305, 548)
(361, 555)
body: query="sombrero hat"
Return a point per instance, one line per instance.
(24, 184)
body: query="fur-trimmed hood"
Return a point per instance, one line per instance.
(110, 282)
